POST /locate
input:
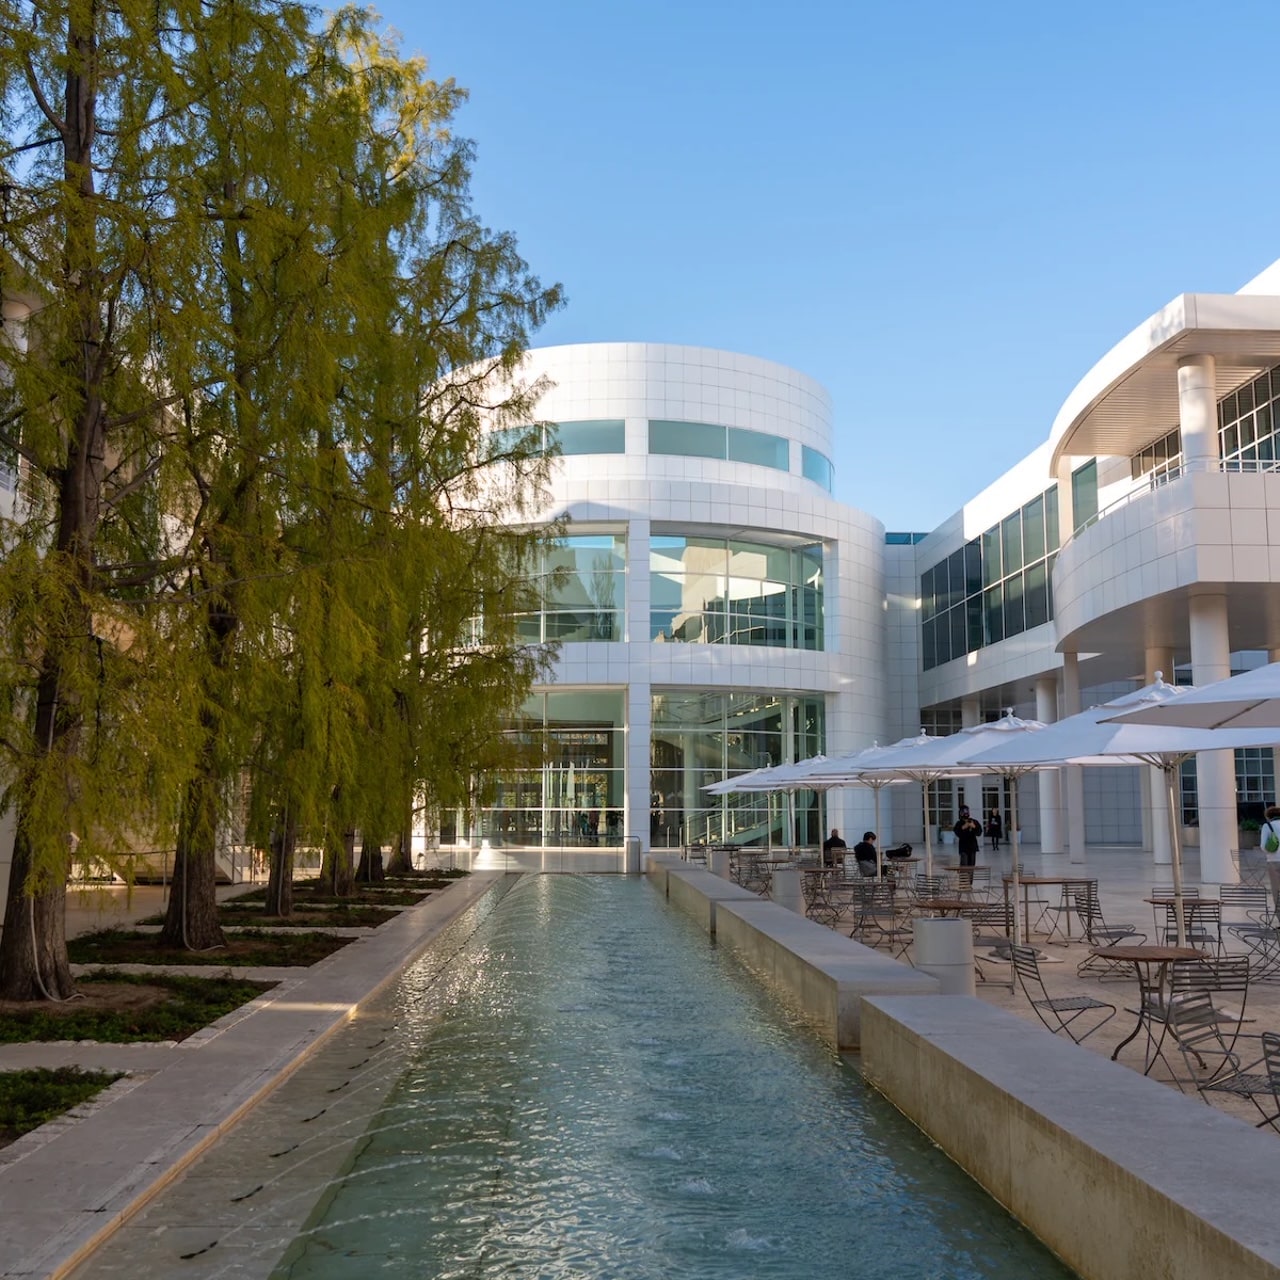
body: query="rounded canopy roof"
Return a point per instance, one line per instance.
(1130, 397)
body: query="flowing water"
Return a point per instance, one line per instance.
(590, 1091)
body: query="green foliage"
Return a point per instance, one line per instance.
(252, 948)
(35, 1096)
(277, 440)
(190, 1004)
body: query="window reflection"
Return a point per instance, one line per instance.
(729, 591)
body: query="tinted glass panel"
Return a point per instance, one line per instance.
(816, 467)
(687, 439)
(758, 447)
(972, 568)
(1084, 492)
(1033, 531)
(991, 563)
(1037, 596)
(1051, 518)
(596, 436)
(1011, 542)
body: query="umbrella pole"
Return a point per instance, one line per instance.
(1175, 843)
(1016, 868)
(879, 842)
(928, 835)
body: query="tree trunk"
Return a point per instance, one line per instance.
(336, 876)
(33, 947)
(401, 863)
(191, 920)
(280, 881)
(370, 869)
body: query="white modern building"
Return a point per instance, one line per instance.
(722, 611)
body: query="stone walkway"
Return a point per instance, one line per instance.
(68, 1185)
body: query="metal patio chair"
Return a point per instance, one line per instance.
(1258, 1082)
(1098, 932)
(1202, 1013)
(1058, 1013)
(879, 917)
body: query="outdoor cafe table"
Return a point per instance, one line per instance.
(1030, 882)
(943, 906)
(1151, 963)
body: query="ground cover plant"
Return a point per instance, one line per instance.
(252, 948)
(120, 1008)
(307, 893)
(35, 1096)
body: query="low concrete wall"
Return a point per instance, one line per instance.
(822, 972)
(697, 893)
(1120, 1176)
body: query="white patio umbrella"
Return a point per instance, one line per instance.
(857, 770)
(1097, 737)
(930, 759)
(794, 776)
(1247, 701)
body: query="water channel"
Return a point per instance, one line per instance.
(572, 1084)
(596, 1094)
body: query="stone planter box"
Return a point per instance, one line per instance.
(1250, 839)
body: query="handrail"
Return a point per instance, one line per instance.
(1158, 479)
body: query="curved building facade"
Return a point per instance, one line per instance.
(719, 611)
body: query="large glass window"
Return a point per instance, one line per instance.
(817, 467)
(569, 788)
(700, 737)
(728, 591)
(602, 435)
(1249, 425)
(995, 586)
(1084, 493)
(759, 447)
(688, 439)
(709, 440)
(581, 591)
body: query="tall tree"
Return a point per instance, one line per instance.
(219, 209)
(80, 411)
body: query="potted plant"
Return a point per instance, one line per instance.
(1249, 829)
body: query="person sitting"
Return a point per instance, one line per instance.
(833, 849)
(865, 852)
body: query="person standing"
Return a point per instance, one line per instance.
(968, 832)
(1268, 836)
(995, 829)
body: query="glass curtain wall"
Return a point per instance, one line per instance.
(1249, 424)
(729, 591)
(570, 791)
(996, 586)
(704, 736)
(581, 585)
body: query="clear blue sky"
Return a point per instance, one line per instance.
(944, 212)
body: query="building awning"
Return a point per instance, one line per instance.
(1130, 397)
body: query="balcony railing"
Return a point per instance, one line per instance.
(1174, 471)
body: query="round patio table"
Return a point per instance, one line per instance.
(1151, 963)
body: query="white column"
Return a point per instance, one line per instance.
(1155, 821)
(1198, 412)
(1049, 779)
(639, 734)
(1073, 776)
(1215, 770)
